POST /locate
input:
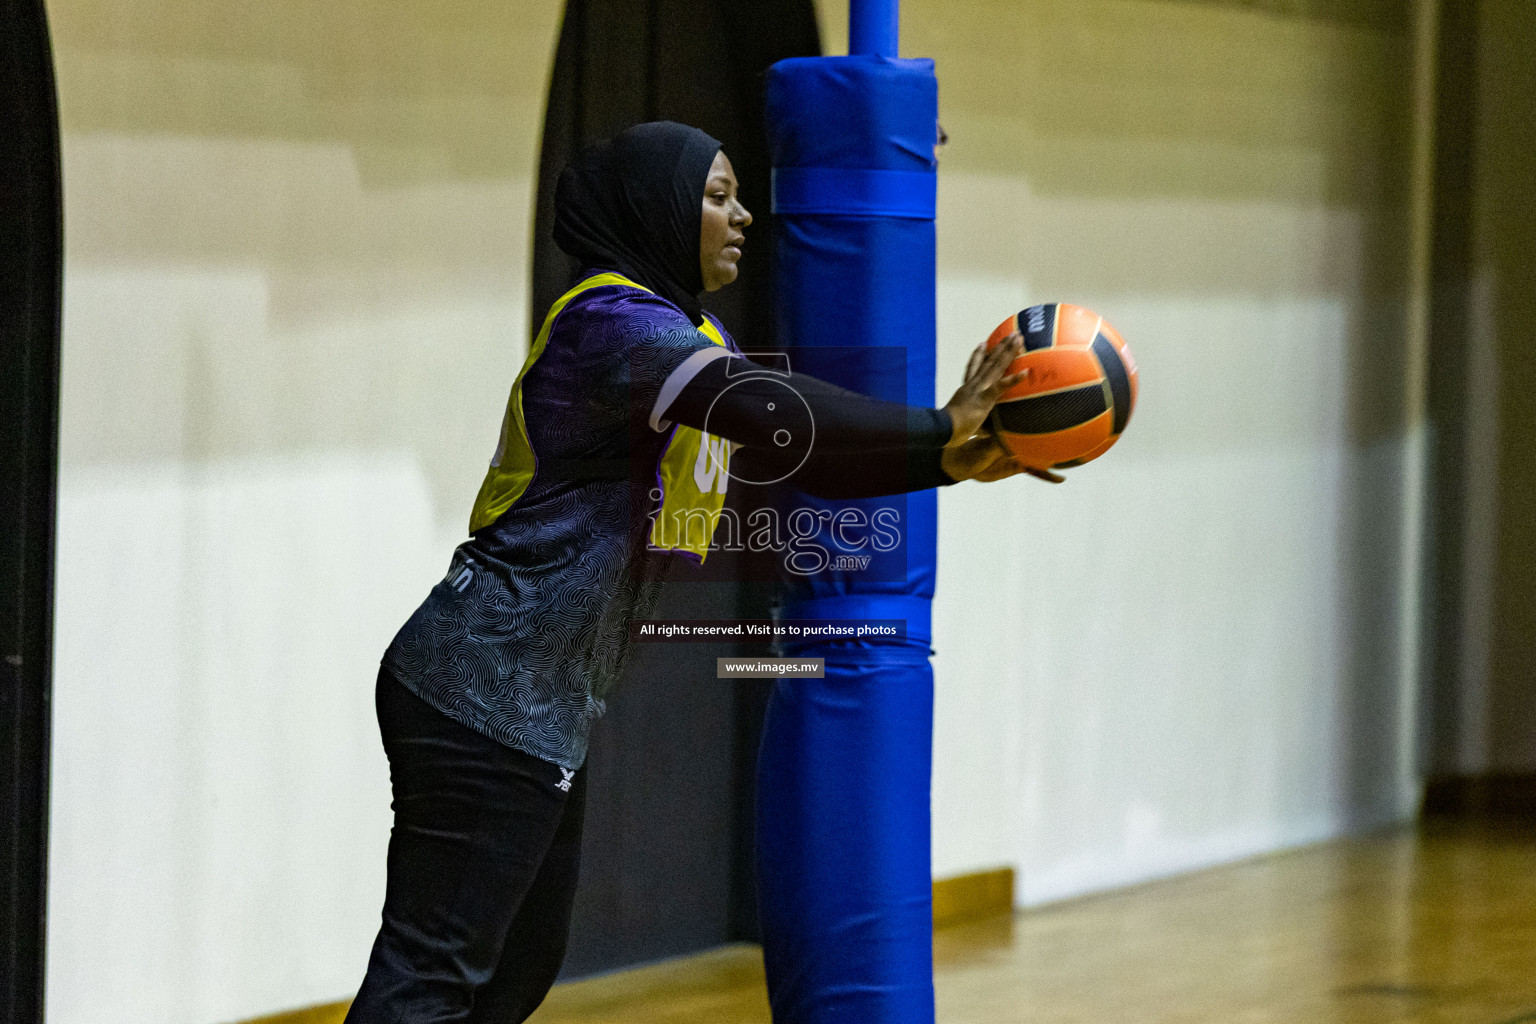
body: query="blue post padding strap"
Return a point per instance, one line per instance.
(844, 875)
(851, 192)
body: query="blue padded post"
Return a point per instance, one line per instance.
(844, 773)
(874, 28)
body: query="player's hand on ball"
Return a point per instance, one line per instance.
(977, 458)
(983, 459)
(986, 378)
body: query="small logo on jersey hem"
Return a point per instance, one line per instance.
(564, 785)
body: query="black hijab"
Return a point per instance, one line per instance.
(632, 204)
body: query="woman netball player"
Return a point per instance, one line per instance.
(486, 696)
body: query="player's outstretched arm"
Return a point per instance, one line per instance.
(849, 445)
(743, 402)
(747, 407)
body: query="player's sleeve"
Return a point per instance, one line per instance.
(857, 447)
(679, 378)
(725, 397)
(660, 363)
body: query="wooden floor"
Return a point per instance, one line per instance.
(1436, 925)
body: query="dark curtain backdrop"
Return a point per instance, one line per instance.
(31, 254)
(666, 867)
(1451, 274)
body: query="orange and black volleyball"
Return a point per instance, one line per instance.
(1078, 396)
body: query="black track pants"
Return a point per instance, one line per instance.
(483, 859)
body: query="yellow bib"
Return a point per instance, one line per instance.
(693, 471)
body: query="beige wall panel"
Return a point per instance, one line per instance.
(296, 268)
(1200, 647)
